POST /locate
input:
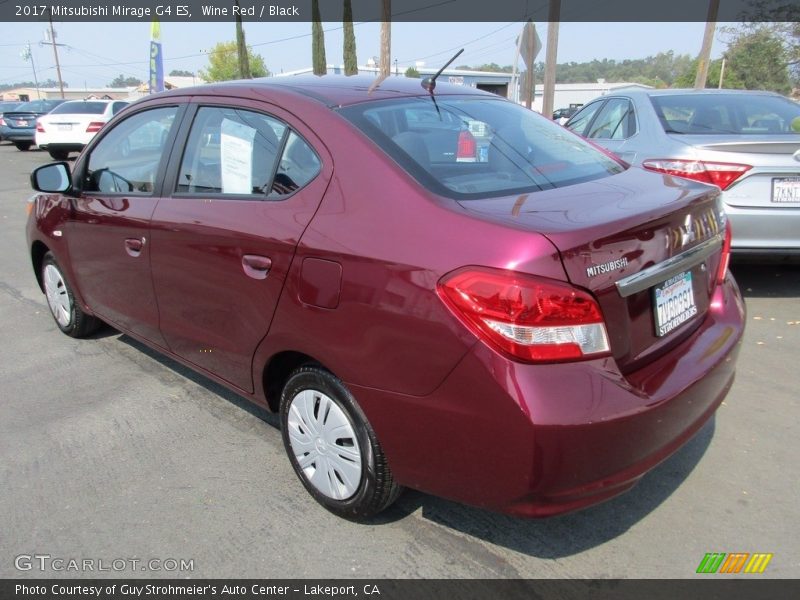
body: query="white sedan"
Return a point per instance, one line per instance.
(71, 125)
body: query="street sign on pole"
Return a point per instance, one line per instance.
(531, 44)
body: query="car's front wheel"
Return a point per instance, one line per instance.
(23, 146)
(332, 446)
(68, 315)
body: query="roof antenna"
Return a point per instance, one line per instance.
(429, 83)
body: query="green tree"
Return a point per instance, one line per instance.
(412, 72)
(122, 81)
(760, 57)
(180, 73)
(318, 61)
(350, 60)
(730, 78)
(223, 63)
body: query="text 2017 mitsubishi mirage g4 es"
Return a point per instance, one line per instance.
(492, 311)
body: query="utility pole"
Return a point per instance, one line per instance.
(28, 55)
(241, 48)
(708, 40)
(386, 39)
(721, 73)
(55, 53)
(553, 18)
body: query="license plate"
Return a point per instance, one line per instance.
(65, 127)
(786, 189)
(673, 303)
(22, 123)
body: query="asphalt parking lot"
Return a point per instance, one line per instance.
(109, 451)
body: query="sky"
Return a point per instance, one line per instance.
(93, 54)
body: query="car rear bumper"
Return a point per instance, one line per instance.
(63, 147)
(540, 440)
(20, 135)
(765, 229)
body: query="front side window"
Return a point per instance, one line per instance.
(614, 122)
(127, 159)
(235, 152)
(581, 119)
(478, 148)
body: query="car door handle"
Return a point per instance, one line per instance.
(133, 246)
(256, 266)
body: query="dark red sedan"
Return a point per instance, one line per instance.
(441, 290)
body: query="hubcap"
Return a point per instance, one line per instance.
(57, 297)
(324, 443)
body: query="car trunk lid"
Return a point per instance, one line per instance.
(647, 246)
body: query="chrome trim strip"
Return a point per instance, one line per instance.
(650, 276)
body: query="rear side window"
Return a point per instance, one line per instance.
(235, 152)
(80, 108)
(747, 114)
(478, 148)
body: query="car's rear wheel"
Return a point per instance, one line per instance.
(68, 315)
(23, 146)
(59, 154)
(332, 446)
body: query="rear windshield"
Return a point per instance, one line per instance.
(741, 114)
(80, 108)
(38, 106)
(470, 148)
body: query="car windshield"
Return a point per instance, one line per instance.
(470, 148)
(80, 108)
(38, 106)
(713, 114)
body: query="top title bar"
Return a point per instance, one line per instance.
(402, 10)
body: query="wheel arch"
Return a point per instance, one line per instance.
(277, 371)
(38, 250)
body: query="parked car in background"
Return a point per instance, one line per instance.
(745, 142)
(71, 125)
(5, 107)
(561, 115)
(529, 331)
(21, 122)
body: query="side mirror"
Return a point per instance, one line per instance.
(53, 177)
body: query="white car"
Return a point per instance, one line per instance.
(71, 125)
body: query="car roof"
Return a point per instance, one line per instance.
(333, 90)
(637, 91)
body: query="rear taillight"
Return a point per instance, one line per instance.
(39, 127)
(94, 126)
(725, 257)
(467, 147)
(716, 173)
(2, 122)
(528, 318)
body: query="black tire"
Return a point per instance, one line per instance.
(79, 324)
(23, 146)
(377, 488)
(59, 154)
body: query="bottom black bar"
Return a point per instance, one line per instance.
(709, 588)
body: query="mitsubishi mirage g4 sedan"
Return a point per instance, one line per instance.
(530, 331)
